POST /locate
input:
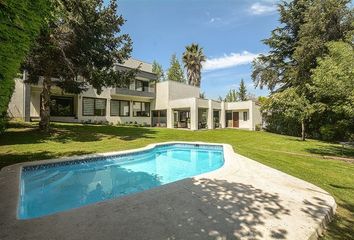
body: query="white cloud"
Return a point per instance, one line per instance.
(231, 60)
(214, 19)
(262, 8)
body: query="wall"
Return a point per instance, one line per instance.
(16, 105)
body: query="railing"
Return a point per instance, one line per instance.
(129, 92)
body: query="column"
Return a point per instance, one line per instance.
(170, 120)
(222, 115)
(194, 114)
(210, 115)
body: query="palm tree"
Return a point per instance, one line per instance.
(193, 57)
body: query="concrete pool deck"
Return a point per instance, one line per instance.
(241, 200)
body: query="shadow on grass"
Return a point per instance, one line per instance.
(30, 134)
(13, 158)
(332, 150)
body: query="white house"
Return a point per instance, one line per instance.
(165, 104)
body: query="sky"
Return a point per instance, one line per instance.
(230, 32)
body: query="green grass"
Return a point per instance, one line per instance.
(23, 142)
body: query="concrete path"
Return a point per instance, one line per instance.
(242, 200)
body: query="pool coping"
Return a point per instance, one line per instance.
(232, 166)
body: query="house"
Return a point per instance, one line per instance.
(168, 104)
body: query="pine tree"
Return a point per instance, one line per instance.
(157, 69)
(175, 72)
(242, 91)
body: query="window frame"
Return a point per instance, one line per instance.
(94, 107)
(243, 115)
(141, 107)
(119, 108)
(142, 86)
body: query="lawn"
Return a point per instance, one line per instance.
(23, 142)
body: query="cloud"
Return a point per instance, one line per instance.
(227, 61)
(214, 19)
(262, 8)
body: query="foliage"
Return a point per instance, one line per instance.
(333, 89)
(290, 105)
(306, 28)
(20, 22)
(231, 96)
(202, 95)
(192, 58)
(158, 70)
(242, 91)
(175, 72)
(80, 46)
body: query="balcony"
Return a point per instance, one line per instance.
(128, 92)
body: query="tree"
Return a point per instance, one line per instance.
(175, 72)
(291, 105)
(333, 90)
(192, 58)
(232, 96)
(157, 69)
(20, 22)
(78, 46)
(242, 91)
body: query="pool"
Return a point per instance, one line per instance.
(50, 188)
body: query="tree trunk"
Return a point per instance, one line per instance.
(303, 130)
(44, 123)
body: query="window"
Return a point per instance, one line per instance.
(61, 106)
(141, 109)
(93, 106)
(245, 116)
(142, 86)
(114, 108)
(120, 108)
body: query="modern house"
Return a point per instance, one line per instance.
(165, 104)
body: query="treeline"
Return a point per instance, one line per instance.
(310, 71)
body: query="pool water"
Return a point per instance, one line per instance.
(51, 188)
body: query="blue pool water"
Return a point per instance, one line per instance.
(51, 188)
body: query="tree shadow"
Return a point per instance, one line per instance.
(226, 210)
(30, 134)
(339, 227)
(332, 150)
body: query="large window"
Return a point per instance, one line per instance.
(142, 86)
(61, 106)
(93, 106)
(141, 109)
(120, 108)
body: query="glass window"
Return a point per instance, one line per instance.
(61, 106)
(88, 107)
(114, 108)
(93, 107)
(124, 108)
(141, 109)
(245, 116)
(142, 86)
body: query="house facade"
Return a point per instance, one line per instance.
(165, 104)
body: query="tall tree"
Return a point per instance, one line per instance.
(158, 70)
(291, 105)
(192, 58)
(175, 72)
(333, 91)
(20, 23)
(242, 91)
(78, 46)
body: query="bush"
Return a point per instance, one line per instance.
(20, 22)
(328, 132)
(258, 127)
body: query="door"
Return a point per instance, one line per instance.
(235, 119)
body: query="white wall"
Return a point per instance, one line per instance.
(16, 105)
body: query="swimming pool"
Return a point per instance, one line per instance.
(50, 188)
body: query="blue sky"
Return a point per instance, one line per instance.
(229, 31)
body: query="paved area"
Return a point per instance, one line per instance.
(242, 200)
